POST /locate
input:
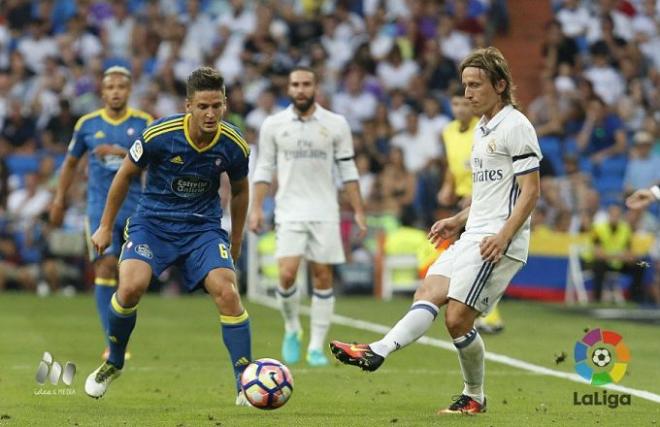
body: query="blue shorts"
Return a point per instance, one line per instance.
(195, 253)
(92, 224)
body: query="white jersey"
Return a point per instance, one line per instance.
(503, 149)
(305, 152)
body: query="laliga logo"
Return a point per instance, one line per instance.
(601, 357)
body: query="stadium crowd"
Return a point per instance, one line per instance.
(389, 66)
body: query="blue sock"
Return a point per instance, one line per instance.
(238, 340)
(121, 321)
(103, 290)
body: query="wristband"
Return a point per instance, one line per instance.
(656, 192)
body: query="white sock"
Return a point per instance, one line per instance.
(413, 325)
(471, 356)
(289, 302)
(323, 305)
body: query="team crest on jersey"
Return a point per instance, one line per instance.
(130, 132)
(491, 146)
(144, 251)
(99, 134)
(136, 150)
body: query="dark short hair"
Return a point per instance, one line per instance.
(204, 78)
(303, 68)
(492, 61)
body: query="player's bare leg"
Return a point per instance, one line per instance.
(134, 279)
(288, 298)
(235, 322)
(459, 319)
(323, 306)
(431, 295)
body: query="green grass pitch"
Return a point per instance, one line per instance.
(180, 376)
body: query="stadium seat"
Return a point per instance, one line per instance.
(21, 164)
(551, 147)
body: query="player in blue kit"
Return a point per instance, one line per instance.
(106, 134)
(177, 221)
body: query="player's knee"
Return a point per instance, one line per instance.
(457, 324)
(129, 296)
(423, 293)
(429, 293)
(227, 299)
(287, 277)
(323, 278)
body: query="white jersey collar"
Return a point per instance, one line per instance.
(487, 128)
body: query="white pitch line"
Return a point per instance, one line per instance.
(493, 357)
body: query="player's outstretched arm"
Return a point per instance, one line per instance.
(240, 198)
(116, 195)
(67, 173)
(352, 189)
(256, 221)
(493, 247)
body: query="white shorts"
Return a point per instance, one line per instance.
(473, 281)
(314, 240)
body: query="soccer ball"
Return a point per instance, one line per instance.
(267, 383)
(601, 357)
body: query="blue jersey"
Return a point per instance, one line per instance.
(181, 190)
(97, 128)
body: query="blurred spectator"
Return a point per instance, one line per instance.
(614, 46)
(85, 44)
(354, 102)
(117, 32)
(547, 112)
(4, 188)
(602, 134)
(398, 185)
(398, 110)
(19, 131)
(438, 70)
(367, 178)
(57, 134)
(395, 72)
(12, 273)
(432, 120)
(5, 87)
(265, 107)
(419, 147)
(607, 81)
(26, 204)
(38, 45)
(557, 48)
(574, 19)
(454, 44)
(642, 170)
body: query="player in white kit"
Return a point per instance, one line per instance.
(305, 144)
(473, 273)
